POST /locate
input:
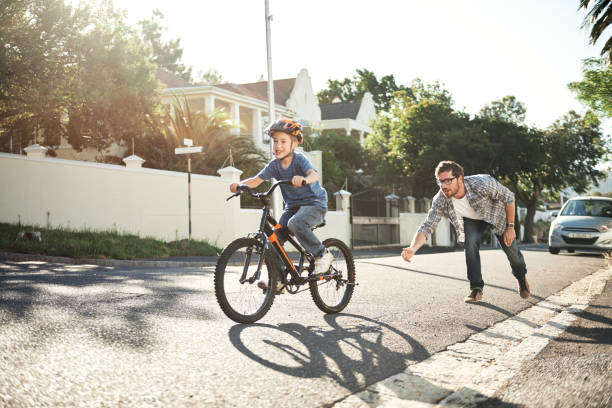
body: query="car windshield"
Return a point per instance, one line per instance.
(592, 208)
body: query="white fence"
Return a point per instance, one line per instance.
(150, 203)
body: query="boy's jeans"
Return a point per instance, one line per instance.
(299, 221)
(473, 235)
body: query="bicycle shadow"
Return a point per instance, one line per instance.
(355, 354)
(352, 354)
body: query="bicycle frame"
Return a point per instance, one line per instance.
(267, 234)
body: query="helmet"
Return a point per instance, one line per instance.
(286, 126)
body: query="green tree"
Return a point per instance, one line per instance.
(599, 17)
(409, 141)
(595, 89)
(352, 89)
(564, 155)
(166, 55)
(508, 109)
(342, 156)
(213, 133)
(75, 72)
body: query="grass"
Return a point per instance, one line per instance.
(97, 244)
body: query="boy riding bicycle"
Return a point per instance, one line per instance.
(305, 205)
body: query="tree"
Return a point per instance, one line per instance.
(595, 90)
(409, 141)
(81, 73)
(210, 77)
(342, 156)
(166, 55)
(212, 132)
(508, 109)
(599, 17)
(565, 155)
(353, 89)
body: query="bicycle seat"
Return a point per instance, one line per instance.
(318, 225)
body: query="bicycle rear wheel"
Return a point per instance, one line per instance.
(333, 292)
(244, 302)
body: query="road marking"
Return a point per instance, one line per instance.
(472, 371)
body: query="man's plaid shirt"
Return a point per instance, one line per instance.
(487, 197)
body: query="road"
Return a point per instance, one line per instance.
(86, 335)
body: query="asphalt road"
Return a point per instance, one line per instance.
(73, 335)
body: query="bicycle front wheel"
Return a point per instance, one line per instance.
(244, 302)
(333, 292)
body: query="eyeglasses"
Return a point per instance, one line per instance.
(445, 181)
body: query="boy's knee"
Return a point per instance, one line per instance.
(293, 225)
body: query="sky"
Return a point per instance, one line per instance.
(480, 50)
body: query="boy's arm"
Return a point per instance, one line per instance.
(251, 182)
(311, 177)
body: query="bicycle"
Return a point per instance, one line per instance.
(248, 260)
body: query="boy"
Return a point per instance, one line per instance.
(305, 205)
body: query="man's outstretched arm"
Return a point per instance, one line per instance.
(417, 241)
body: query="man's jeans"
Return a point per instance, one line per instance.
(473, 235)
(300, 222)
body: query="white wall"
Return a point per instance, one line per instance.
(142, 201)
(410, 223)
(103, 197)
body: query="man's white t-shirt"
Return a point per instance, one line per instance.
(464, 209)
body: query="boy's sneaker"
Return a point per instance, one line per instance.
(280, 288)
(323, 263)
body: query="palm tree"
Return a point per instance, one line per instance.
(212, 132)
(599, 17)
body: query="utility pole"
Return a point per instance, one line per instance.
(276, 201)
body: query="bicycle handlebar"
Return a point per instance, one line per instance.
(248, 189)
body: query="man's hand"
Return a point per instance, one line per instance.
(234, 187)
(297, 181)
(509, 236)
(407, 253)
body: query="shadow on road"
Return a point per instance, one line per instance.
(355, 352)
(513, 290)
(113, 306)
(352, 350)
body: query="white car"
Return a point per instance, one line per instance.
(584, 223)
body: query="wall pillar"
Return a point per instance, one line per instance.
(36, 151)
(343, 200)
(392, 206)
(411, 204)
(232, 213)
(133, 162)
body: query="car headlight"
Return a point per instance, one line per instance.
(558, 226)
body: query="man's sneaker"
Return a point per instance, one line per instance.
(523, 288)
(280, 289)
(323, 263)
(474, 296)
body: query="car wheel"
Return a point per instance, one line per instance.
(553, 251)
(571, 251)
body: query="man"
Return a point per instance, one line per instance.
(472, 203)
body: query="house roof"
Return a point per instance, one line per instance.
(340, 110)
(259, 90)
(170, 80)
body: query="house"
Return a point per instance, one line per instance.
(351, 117)
(247, 105)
